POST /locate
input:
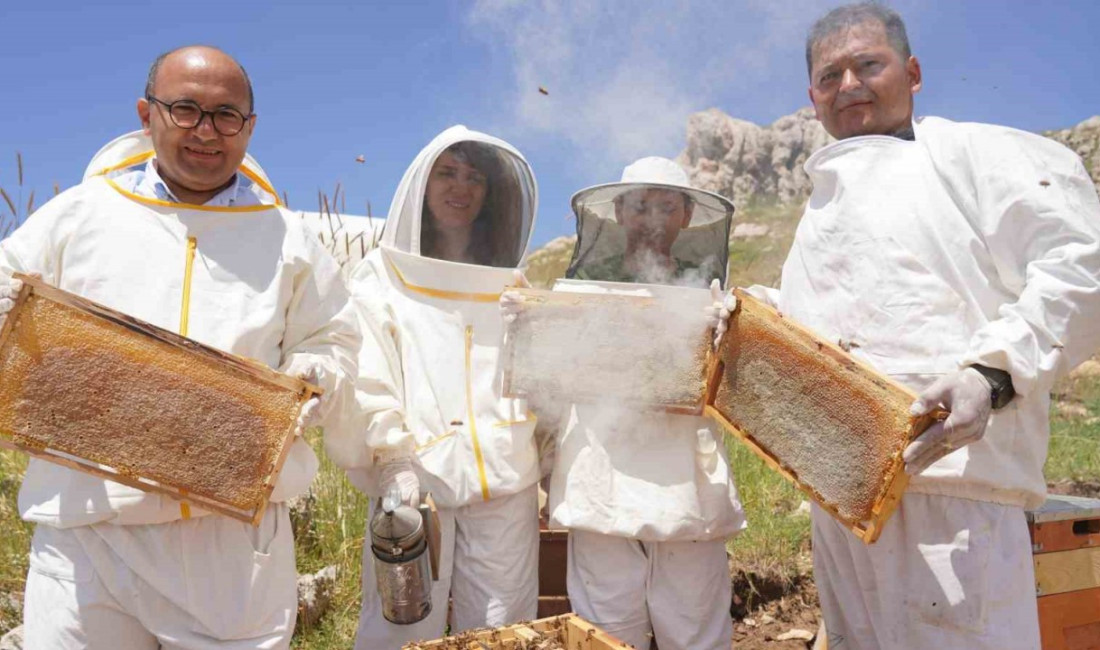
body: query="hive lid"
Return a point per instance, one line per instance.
(1060, 507)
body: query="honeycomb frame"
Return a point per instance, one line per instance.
(129, 386)
(831, 425)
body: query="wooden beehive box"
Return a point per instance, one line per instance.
(95, 390)
(566, 632)
(1065, 540)
(831, 425)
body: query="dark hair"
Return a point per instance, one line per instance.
(151, 79)
(848, 16)
(496, 229)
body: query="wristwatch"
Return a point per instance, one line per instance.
(1001, 391)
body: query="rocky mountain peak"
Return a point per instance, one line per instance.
(748, 162)
(1084, 139)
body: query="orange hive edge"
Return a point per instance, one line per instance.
(79, 384)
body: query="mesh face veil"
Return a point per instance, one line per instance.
(652, 228)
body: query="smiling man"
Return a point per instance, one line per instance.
(962, 260)
(185, 234)
(197, 151)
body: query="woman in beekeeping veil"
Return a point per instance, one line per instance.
(432, 418)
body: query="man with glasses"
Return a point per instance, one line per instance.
(188, 236)
(198, 150)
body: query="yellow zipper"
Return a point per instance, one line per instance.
(185, 310)
(470, 415)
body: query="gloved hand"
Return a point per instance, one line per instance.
(9, 290)
(510, 301)
(966, 394)
(310, 415)
(397, 473)
(718, 312)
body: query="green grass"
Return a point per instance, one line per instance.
(1074, 452)
(776, 542)
(334, 536)
(15, 539)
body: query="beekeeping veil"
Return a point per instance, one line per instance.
(132, 150)
(700, 251)
(502, 228)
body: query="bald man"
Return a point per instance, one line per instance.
(176, 226)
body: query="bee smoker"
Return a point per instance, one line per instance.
(403, 567)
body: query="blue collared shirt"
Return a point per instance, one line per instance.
(148, 183)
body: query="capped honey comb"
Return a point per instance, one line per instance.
(93, 389)
(645, 351)
(833, 426)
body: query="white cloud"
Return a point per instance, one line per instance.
(623, 75)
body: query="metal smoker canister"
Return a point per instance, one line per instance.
(402, 566)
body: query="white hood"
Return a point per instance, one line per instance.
(403, 224)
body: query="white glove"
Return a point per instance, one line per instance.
(310, 415)
(9, 290)
(718, 312)
(966, 394)
(510, 301)
(398, 474)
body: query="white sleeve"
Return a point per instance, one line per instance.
(377, 429)
(37, 245)
(321, 332)
(1038, 212)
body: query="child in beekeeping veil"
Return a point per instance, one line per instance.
(432, 415)
(647, 496)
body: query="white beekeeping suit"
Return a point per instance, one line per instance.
(648, 497)
(430, 388)
(973, 244)
(143, 568)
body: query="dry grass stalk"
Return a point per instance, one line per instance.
(11, 204)
(19, 165)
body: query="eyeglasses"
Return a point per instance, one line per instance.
(187, 114)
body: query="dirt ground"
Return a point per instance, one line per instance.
(765, 608)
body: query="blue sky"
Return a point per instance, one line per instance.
(336, 80)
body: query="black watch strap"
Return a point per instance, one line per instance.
(1001, 390)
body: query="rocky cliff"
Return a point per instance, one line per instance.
(751, 163)
(1085, 140)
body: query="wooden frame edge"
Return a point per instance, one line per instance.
(205, 503)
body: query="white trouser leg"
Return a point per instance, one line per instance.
(606, 578)
(689, 595)
(204, 583)
(67, 607)
(496, 566)
(375, 632)
(678, 592)
(947, 573)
